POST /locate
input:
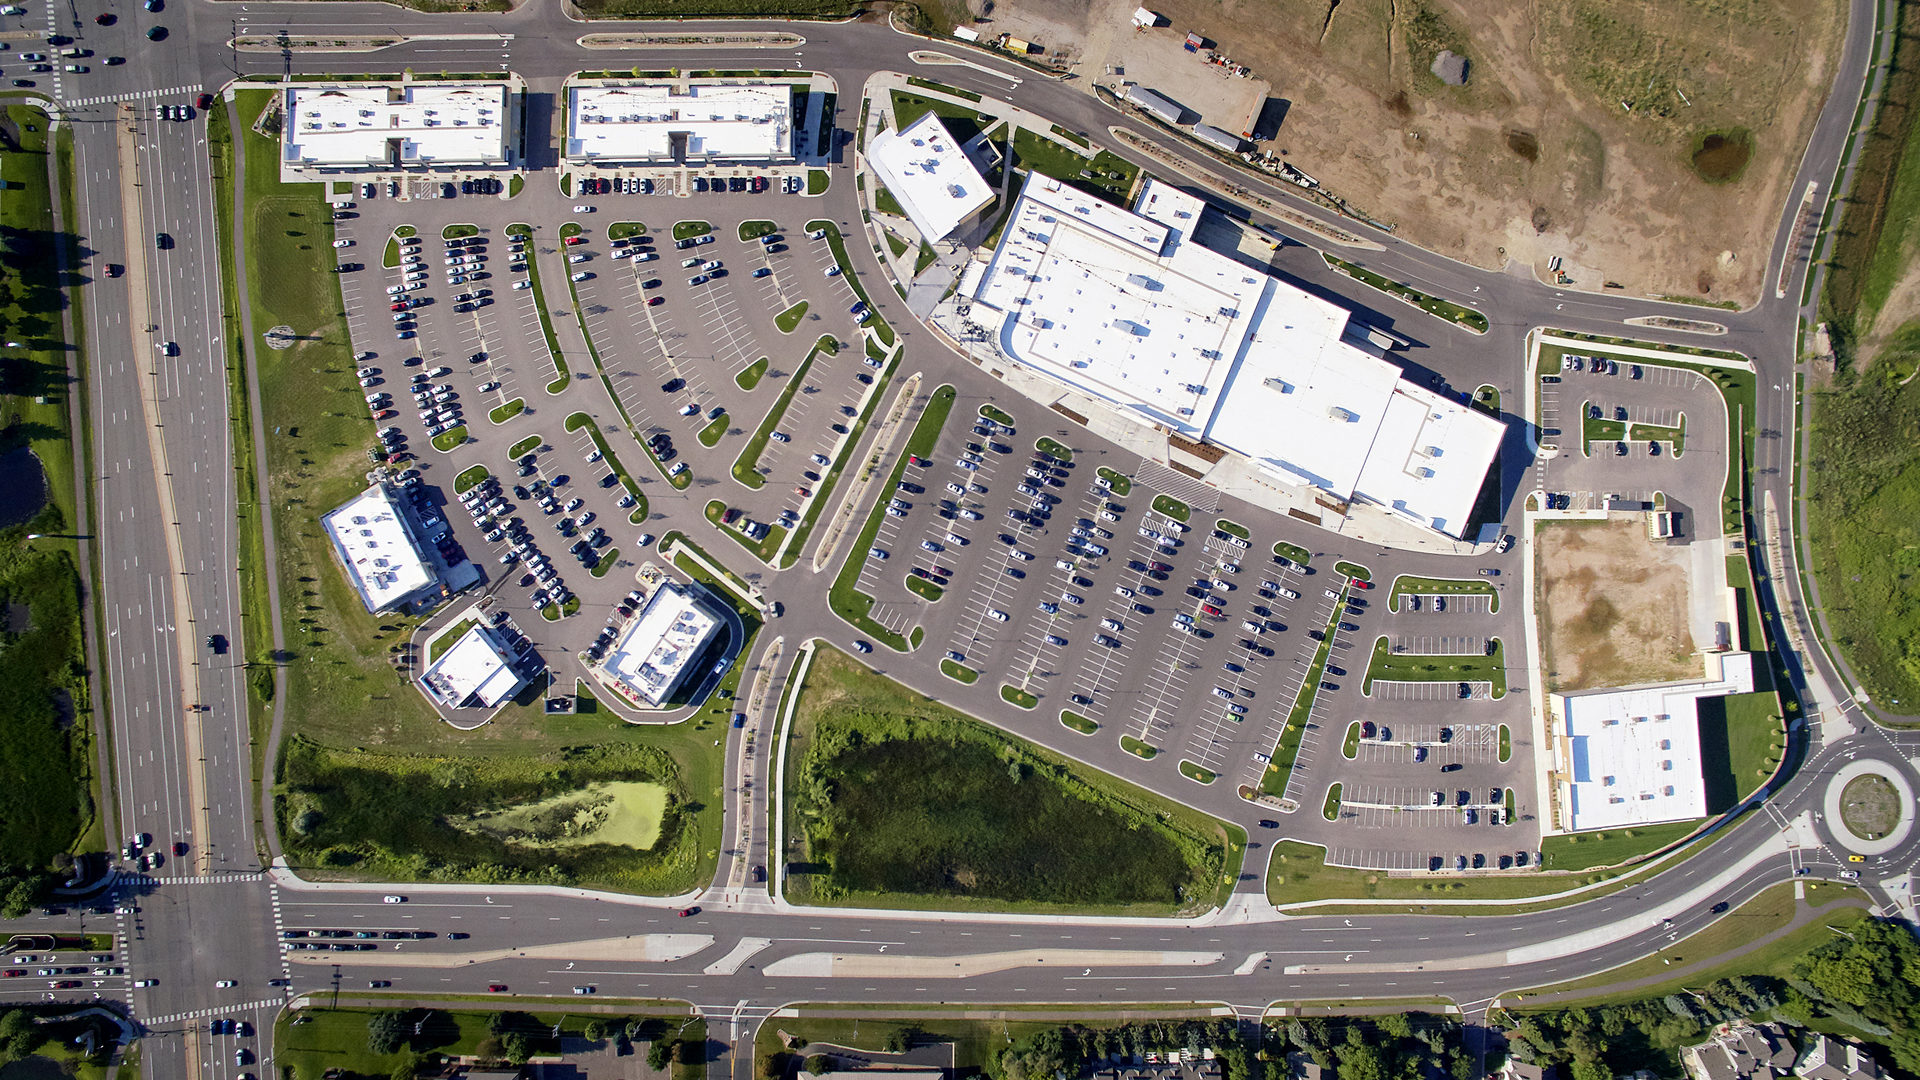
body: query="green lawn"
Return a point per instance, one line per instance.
(1077, 722)
(1197, 773)
(1408, 667)
(1756, 737)
(1138, 749)
(1172, 507)
(446, 638)
(749, 377)
(817, 181)
(958, 672)
(1352, 570)
(507, 411)
(337, 1038)
(845, 597)
(1233, 528)
(42, 661)
(746, 467)
(988, 823)
(754, 230)
(925, 589)
(997, 414)
(962, 119)
(1058, 451)
(1609, 847)
(1458, 314)
(470, 479)
(1018, 698)
(687, 230)
(1119, 484)
(1293, 553)
(710, 435)
(1330, 809)
(885, 203)
(1426, 586)
(789, 320)
(1350, 746)
(524, 447)
(448, 440)
(1105, 175)
(625, 230)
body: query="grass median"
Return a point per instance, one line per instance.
(1410, 585)
(845, 598)
(561, 376)
(582, 422)
(746, 467)
(1390, 666)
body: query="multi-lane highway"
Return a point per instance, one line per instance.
(183, 756)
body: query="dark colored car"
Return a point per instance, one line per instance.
(218, 643)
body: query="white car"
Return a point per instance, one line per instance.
(343, 243)
(583, 209)
(577, 257)
(996, 615)
(484, 387)
(523, 284)
(391, 899)
(581, 276)
(224, 984)
(644, 539)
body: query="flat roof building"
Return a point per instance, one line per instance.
(655, 652)
(931, 175)
(476, 672)
(1156, 104)
(344, 127)
(1127, 308)
(1631, 756)
(618, 122)
(376, 539)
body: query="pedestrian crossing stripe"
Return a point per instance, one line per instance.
(223, 1010)
(142, 95)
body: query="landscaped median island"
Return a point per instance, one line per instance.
(579, 421)
(507, 411)
(1054, 449)
(749, 377)
(845, 597)
(1293, 553)
(687, 230)
(1273, 782)
(746, 467)
(789, 320)
(1391, 666)
(839, 248)
(448, 441)
(988, 823)
(561, 376)
(469, 479)
(1409, 585)
(957, 671)
(710, 435)
(1172, 507)
(1077, 722)
(1330, 809)
(1464, 317)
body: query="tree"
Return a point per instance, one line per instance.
(1359, 1061)
(1397, 1025)
(659, 1053)
(19, 900)
(896, 1041)
(819, 1063)
(407, 1068)
(595, 1030)
(386, 1031)
(518, 1046)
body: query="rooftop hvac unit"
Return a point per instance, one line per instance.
(1423, 472)
(1281, 385)
(1666, 765)
(1606, 781)
(1142, 281)
(1184, 412)
(1344, 415)
(1666, 744)
(956, 191)
(1196, 388)
(1609, 721)
(1668, 790)
(1615, 800)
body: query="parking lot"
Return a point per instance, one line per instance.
(453, 332)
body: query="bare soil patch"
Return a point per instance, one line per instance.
(1613, 607)
(1610, 100)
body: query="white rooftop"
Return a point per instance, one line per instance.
(928, 172)
(476, 671)
(376, 545)
(1633, 754)
(639, 122)
(377, 125)
(1128, 308)
(654, 651)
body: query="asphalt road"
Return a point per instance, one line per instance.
(165, 514)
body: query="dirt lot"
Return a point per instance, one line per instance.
(1613, 608)
(1536, 155)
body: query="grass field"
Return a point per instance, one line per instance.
(46, 705)
(845, 597)
(988, 823)
(1104, 175)
(749, 377)
(1862, 481)
(446, 638)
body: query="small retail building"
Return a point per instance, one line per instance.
(476, 672)
(935, 179)
(615, 122)
(657, 650)
(360, 127)
(1631, 756)
(378, 542)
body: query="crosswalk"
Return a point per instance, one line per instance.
(140, 95)
(194, 879)
(222, 1010)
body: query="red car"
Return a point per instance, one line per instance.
(656, 301)
(114, 270)
(1210, 609)
(13, 973)
(684, 912)
(106, 19)
(496, 988)
(1358, 584)
(571, 240)
(402, 306)
(204, 101)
